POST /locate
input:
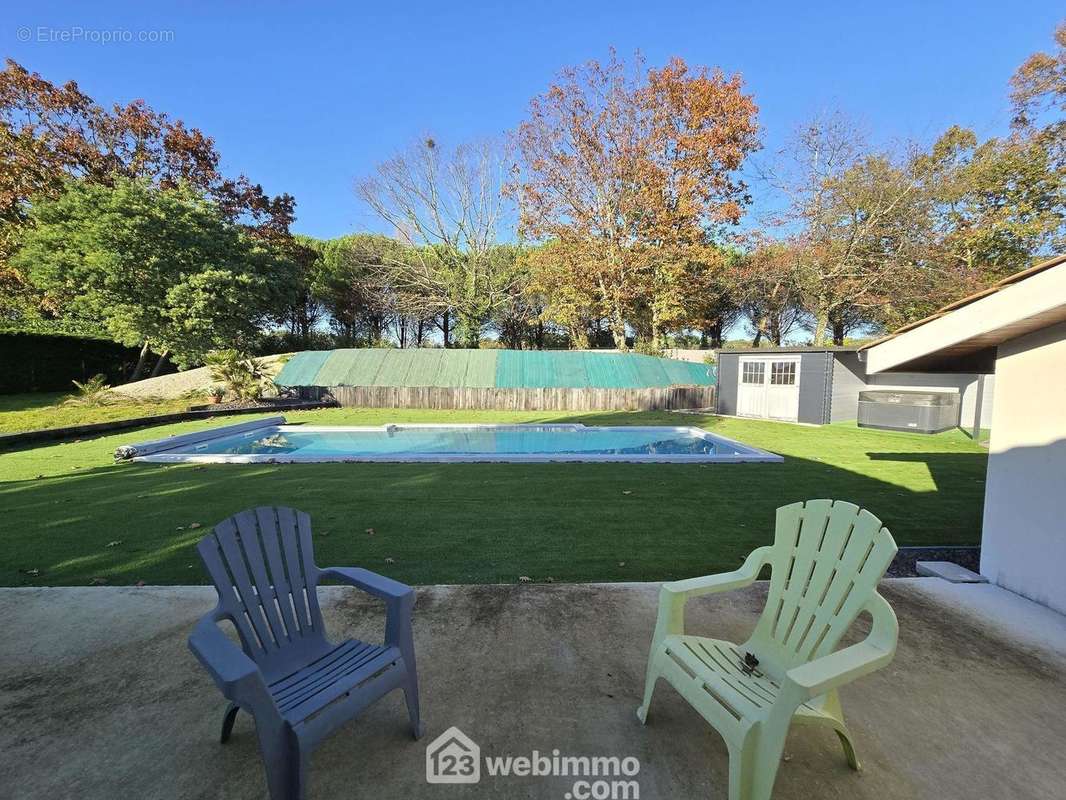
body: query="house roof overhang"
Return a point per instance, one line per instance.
(963, 336)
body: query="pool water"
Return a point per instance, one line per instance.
(463, 443)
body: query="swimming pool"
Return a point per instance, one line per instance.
(273, 441)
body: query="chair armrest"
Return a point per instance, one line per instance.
(235, 674)
(673, 595)
(723, 581)
(843, 666)
(370, 582)
(399, 600)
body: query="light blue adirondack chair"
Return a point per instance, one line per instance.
(826, 560)
(297, 684)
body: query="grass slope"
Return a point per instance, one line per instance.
(72, 514)
(35, 412)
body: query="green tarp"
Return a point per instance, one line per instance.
(518, 369)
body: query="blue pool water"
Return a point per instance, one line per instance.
(462, 443)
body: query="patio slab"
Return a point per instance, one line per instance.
(100, 697)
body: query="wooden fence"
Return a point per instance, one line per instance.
(515, 399)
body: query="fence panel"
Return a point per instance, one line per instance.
(508, 399)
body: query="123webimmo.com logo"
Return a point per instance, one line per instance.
(453, 757)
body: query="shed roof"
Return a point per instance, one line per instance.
(768, 351)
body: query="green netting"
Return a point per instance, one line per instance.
(488, 368)
(532, 369)
(302, 368)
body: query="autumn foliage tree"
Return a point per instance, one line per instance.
(631, 172)
(50, 134)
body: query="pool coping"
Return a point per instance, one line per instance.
(156, 451)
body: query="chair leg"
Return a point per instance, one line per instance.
(836, 712)
(287, 765)
(227, 722)
(650, 679)
(410, 695)
(737, 766)
(763, 757)
(849, 748)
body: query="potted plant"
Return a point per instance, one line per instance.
(217, 393)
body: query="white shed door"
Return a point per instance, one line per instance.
(769, 388)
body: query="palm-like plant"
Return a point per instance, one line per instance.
(241, 375)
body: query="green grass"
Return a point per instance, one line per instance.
(73, 515)
(34, 412)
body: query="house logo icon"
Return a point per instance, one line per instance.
(453, 757)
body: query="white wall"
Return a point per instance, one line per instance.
(1024, 538)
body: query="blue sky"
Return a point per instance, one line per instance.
(306, 97)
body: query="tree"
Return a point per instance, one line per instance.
(863, 228)
(303, 309)
(161, 268)
(563, 289)
(630, 172)
(350, 282)
(994, 204)
(51, 134)
(445, 205)
(1038, 88)
(768, 290)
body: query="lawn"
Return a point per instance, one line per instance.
(72, 517)
(32, 412)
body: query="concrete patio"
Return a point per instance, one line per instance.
(101, 699)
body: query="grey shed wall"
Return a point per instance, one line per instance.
(815, 379)
(849, 378)
(728, 377)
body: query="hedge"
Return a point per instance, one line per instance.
(36, 362)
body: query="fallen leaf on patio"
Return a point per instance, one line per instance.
(194, 525)
(115, 543)
(788, 757)
(524, 579)
(98, 581)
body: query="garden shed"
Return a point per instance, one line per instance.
(820, 385)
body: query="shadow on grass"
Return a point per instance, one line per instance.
(475, 523)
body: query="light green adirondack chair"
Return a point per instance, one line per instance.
(826, 560)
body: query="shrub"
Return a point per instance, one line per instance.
(648, 348)
(94, 392)
(241, 376)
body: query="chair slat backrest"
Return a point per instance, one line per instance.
(262, 564)
(827, 559)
